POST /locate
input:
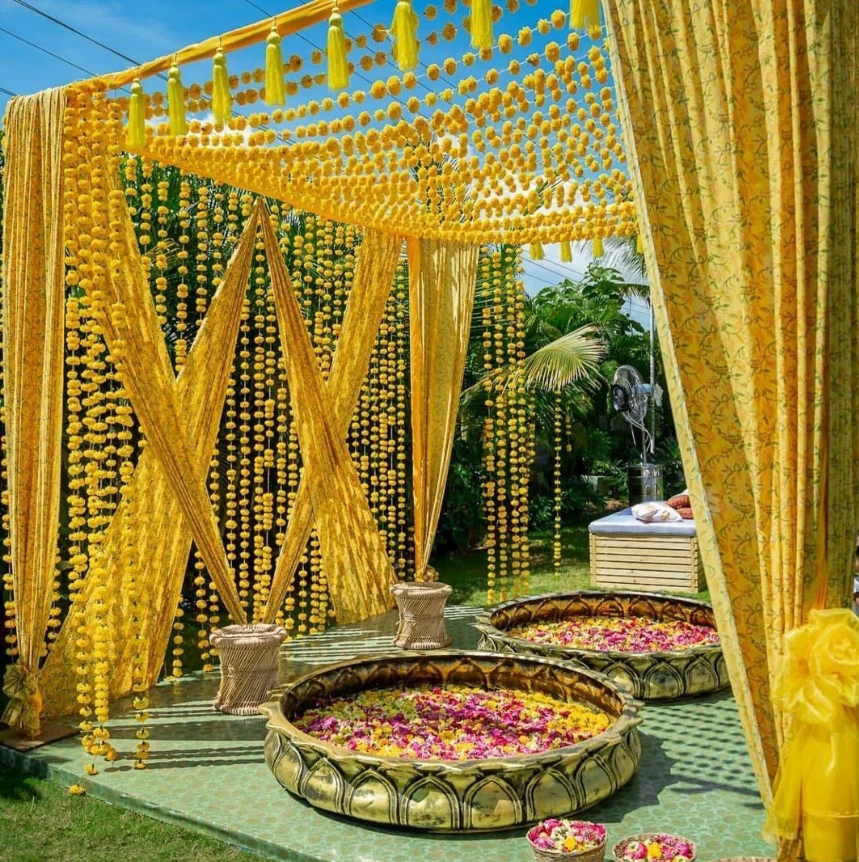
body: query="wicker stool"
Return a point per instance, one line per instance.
(248, 665)
(421, 615)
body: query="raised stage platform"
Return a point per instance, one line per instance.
(207, 772)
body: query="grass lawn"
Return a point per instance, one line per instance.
(41, 822)
(466, 572)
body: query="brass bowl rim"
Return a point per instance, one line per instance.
(626, 721)
(483, 623)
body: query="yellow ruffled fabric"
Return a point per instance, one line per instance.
(817, 787)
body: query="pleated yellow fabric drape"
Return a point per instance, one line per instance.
(741, 120)
(156, 552)
(33, 322)
(442, 278)
(354, 556)
(375, 269)
(132, 332)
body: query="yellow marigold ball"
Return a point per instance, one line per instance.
(364, 118)
(393, 85)
(413, 104)
(380, 33)
(433, 72)
(601, 75)
(378, 90)
(553, 51)
(380, 58)
(595, 31)
(573, 40)
(432, 38)
(524, 37)
(448, 32)
(449, 66)
(410, 80)
(430, 13)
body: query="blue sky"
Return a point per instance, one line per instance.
(143, 29)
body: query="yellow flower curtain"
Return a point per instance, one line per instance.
(742, 128)
(33, 314)
(148, 540)
(442, 278)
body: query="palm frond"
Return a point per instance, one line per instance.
(572, 358)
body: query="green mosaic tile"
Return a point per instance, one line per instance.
(207, 771)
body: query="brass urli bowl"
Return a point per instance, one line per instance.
(648, 676)
(479, 795)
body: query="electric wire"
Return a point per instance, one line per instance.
(74, 30)
(46, 51)
(7, 92)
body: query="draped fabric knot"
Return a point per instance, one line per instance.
(817, 789)
(21, 686)
(819, 677)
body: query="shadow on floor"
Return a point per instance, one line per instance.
(16, 786)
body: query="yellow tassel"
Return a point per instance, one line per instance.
(338, 66)
(405, 32)
(584, 14)
(176, 102)
(537, 251)
(598, 249)
(274, 90)
(639, 245)
(222, 101)
(566, 252)
(135, 132)
(481, 24)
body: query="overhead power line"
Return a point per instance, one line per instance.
(77, 32)
(7, 92)
(46, 51)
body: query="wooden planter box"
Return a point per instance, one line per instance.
(629, 555)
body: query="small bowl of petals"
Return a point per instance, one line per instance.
(655, 845)
(556, 839)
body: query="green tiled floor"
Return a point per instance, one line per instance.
(207, 771)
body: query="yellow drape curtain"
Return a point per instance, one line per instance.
(133, 334)
(148, 538)
(741, 121)
(33, 314)
(375, 269)
(354, 556)
(442, 278)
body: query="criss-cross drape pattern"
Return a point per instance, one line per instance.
(442, 278)
(354, 556)
(153, 549)
(374, 275)
(133, 333)
(33, 311)
(741, 119)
